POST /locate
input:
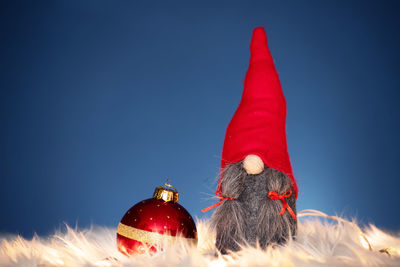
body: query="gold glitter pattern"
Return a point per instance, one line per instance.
(148, 237)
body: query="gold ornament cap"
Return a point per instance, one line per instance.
(166, 192)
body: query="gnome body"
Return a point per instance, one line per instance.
(253, 218)
(257, 189)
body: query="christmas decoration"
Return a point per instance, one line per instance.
(256, 181)
(258, 125)
(155, 222)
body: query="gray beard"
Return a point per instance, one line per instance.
(253, 219)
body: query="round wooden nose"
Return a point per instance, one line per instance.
(253, 164)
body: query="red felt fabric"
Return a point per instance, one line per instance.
(258, 125)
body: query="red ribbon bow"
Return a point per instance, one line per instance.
(285, 205)
(221, 199)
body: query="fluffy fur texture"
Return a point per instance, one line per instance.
(252, 218)
(318, 243)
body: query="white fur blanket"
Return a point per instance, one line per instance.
(330, 241)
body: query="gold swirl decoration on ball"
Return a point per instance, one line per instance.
(149, 237)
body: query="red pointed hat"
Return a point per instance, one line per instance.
(258, 125)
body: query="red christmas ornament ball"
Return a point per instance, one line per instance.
(154, 222)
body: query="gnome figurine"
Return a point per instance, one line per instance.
(256, 189)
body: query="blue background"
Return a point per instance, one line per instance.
(101, 101)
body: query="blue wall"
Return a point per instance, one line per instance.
(101, 101)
